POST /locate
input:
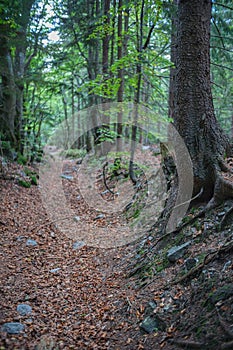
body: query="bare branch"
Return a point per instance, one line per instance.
(223, 5)
(221, 66)
(148, 37)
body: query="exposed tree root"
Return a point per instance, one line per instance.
(223, 190)
(225, 326)
(226, 219)
(227, 330)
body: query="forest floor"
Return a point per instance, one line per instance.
(90, 298)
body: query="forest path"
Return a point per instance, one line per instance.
(79, 295)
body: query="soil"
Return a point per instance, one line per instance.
(96, 298)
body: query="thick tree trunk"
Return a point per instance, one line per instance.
(12, 71)
(8, 90)
(173, 58)
(193, 112)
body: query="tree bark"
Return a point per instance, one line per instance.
(193, 113)
(120, 76)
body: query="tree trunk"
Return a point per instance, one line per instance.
(120, 77)
(173, 58)
(194, 116)
(8, 90)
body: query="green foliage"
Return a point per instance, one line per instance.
(32, 175)
(67, 76)
(74, 153)
(33, 180)
(21, 159)
(24, 183)
(222, 61)
(104, 87)
(107, 135)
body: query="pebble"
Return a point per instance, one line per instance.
(24, 309)
(31, 242)
(13, 327)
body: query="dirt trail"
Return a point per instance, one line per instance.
(81, 298)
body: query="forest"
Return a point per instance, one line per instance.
(116, 174)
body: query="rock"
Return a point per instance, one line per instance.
(31, 242)
(145, 147)
(67, 177)
(77, 218)
(20, 238)
(78, 244)
(105, 192)
(177, 252)
(150, 307)
(190, 263)
(24, 309)
(222, 293)
(29, 321)
(55, 270)
(207, 226)
(152, 324)
(100, 216)
(13, 327)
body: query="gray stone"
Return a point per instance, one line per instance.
(20, 238)
(31, 242)
(13, 327)
(100, 216)
(208, 226)
(67, 177)
(177, 252)
(55, 270)
(77, 218)
(78, 244)
(150, 307)
(24, 309)
(152, 324)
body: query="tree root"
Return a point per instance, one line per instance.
(188, 344)
(225, 220)
(227, 345)
(227, 330)
(223, 324)
(208, 258)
